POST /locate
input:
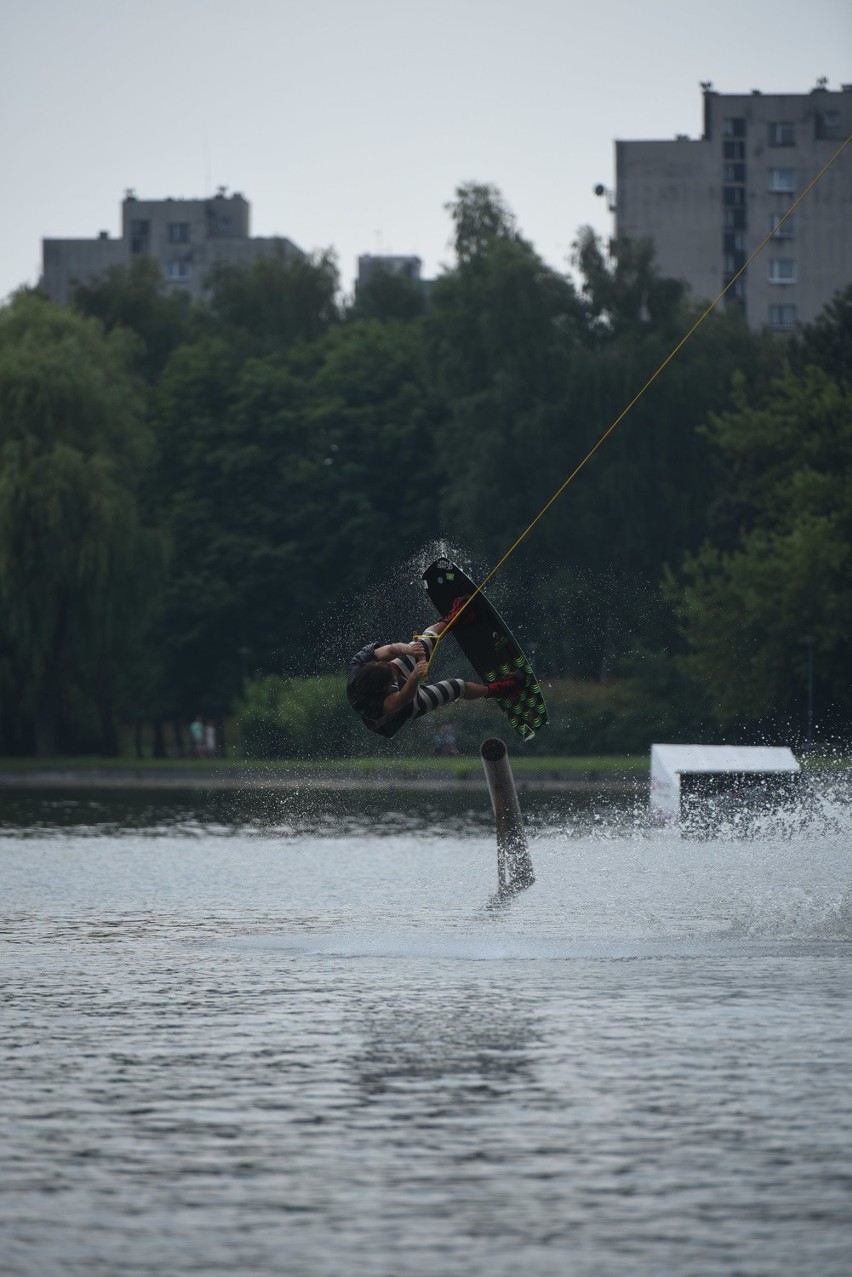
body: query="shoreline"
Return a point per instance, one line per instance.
(311, 778)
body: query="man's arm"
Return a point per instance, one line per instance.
(406, 694)
(389, 650)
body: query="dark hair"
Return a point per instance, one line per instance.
(373, 678)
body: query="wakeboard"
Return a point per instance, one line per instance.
(488, 644)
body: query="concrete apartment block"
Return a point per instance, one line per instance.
(403, 267)
(708, 203)
(185, 236)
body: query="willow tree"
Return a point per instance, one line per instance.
(77, 563)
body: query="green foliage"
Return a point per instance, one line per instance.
(385, 296)
(826, 342)
(298, 460)
(532, 377)
(628, 291)
(290, 479)
(275, 301)
(747, 610)
(77, 563)
(296, 718)
(502, 326)
(621, 716)
(136, 298)
(311, 718)
(481, 218)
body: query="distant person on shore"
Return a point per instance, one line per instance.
(196, 737)
(210, 738)
(385, 687)
(444, 740)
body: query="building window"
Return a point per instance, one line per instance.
(139, 230)
(734, 219)
(178, 232)
(734, 262)
(734, 126)
(782, 317)
(782, 270)
(733, 196)
(733, 172)
(785, 231)
(782, 179)
(828, 124)
(734, 242)
(782, 133)
(733, 150)
(177, 270)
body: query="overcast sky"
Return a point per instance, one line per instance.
(348, 124)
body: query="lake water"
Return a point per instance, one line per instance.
(261, 1033)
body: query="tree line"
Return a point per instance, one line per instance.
(197, 498)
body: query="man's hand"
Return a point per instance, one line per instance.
(389, 651)
(407, 693)
(415, 649)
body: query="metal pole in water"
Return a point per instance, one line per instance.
(514, 866)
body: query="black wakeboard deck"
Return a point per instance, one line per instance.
(488, 644)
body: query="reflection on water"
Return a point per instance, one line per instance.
(481, 1047)
(251, 1034)
(211, 812)
(380, 812)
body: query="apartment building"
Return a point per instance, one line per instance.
(403, 267)
(708, 203)
(185, 236)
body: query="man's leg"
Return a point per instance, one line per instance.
(433, 695)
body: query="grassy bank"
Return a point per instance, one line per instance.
(456, 765)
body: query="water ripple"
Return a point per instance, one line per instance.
(229, 1051)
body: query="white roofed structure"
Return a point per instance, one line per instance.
(671, 762)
